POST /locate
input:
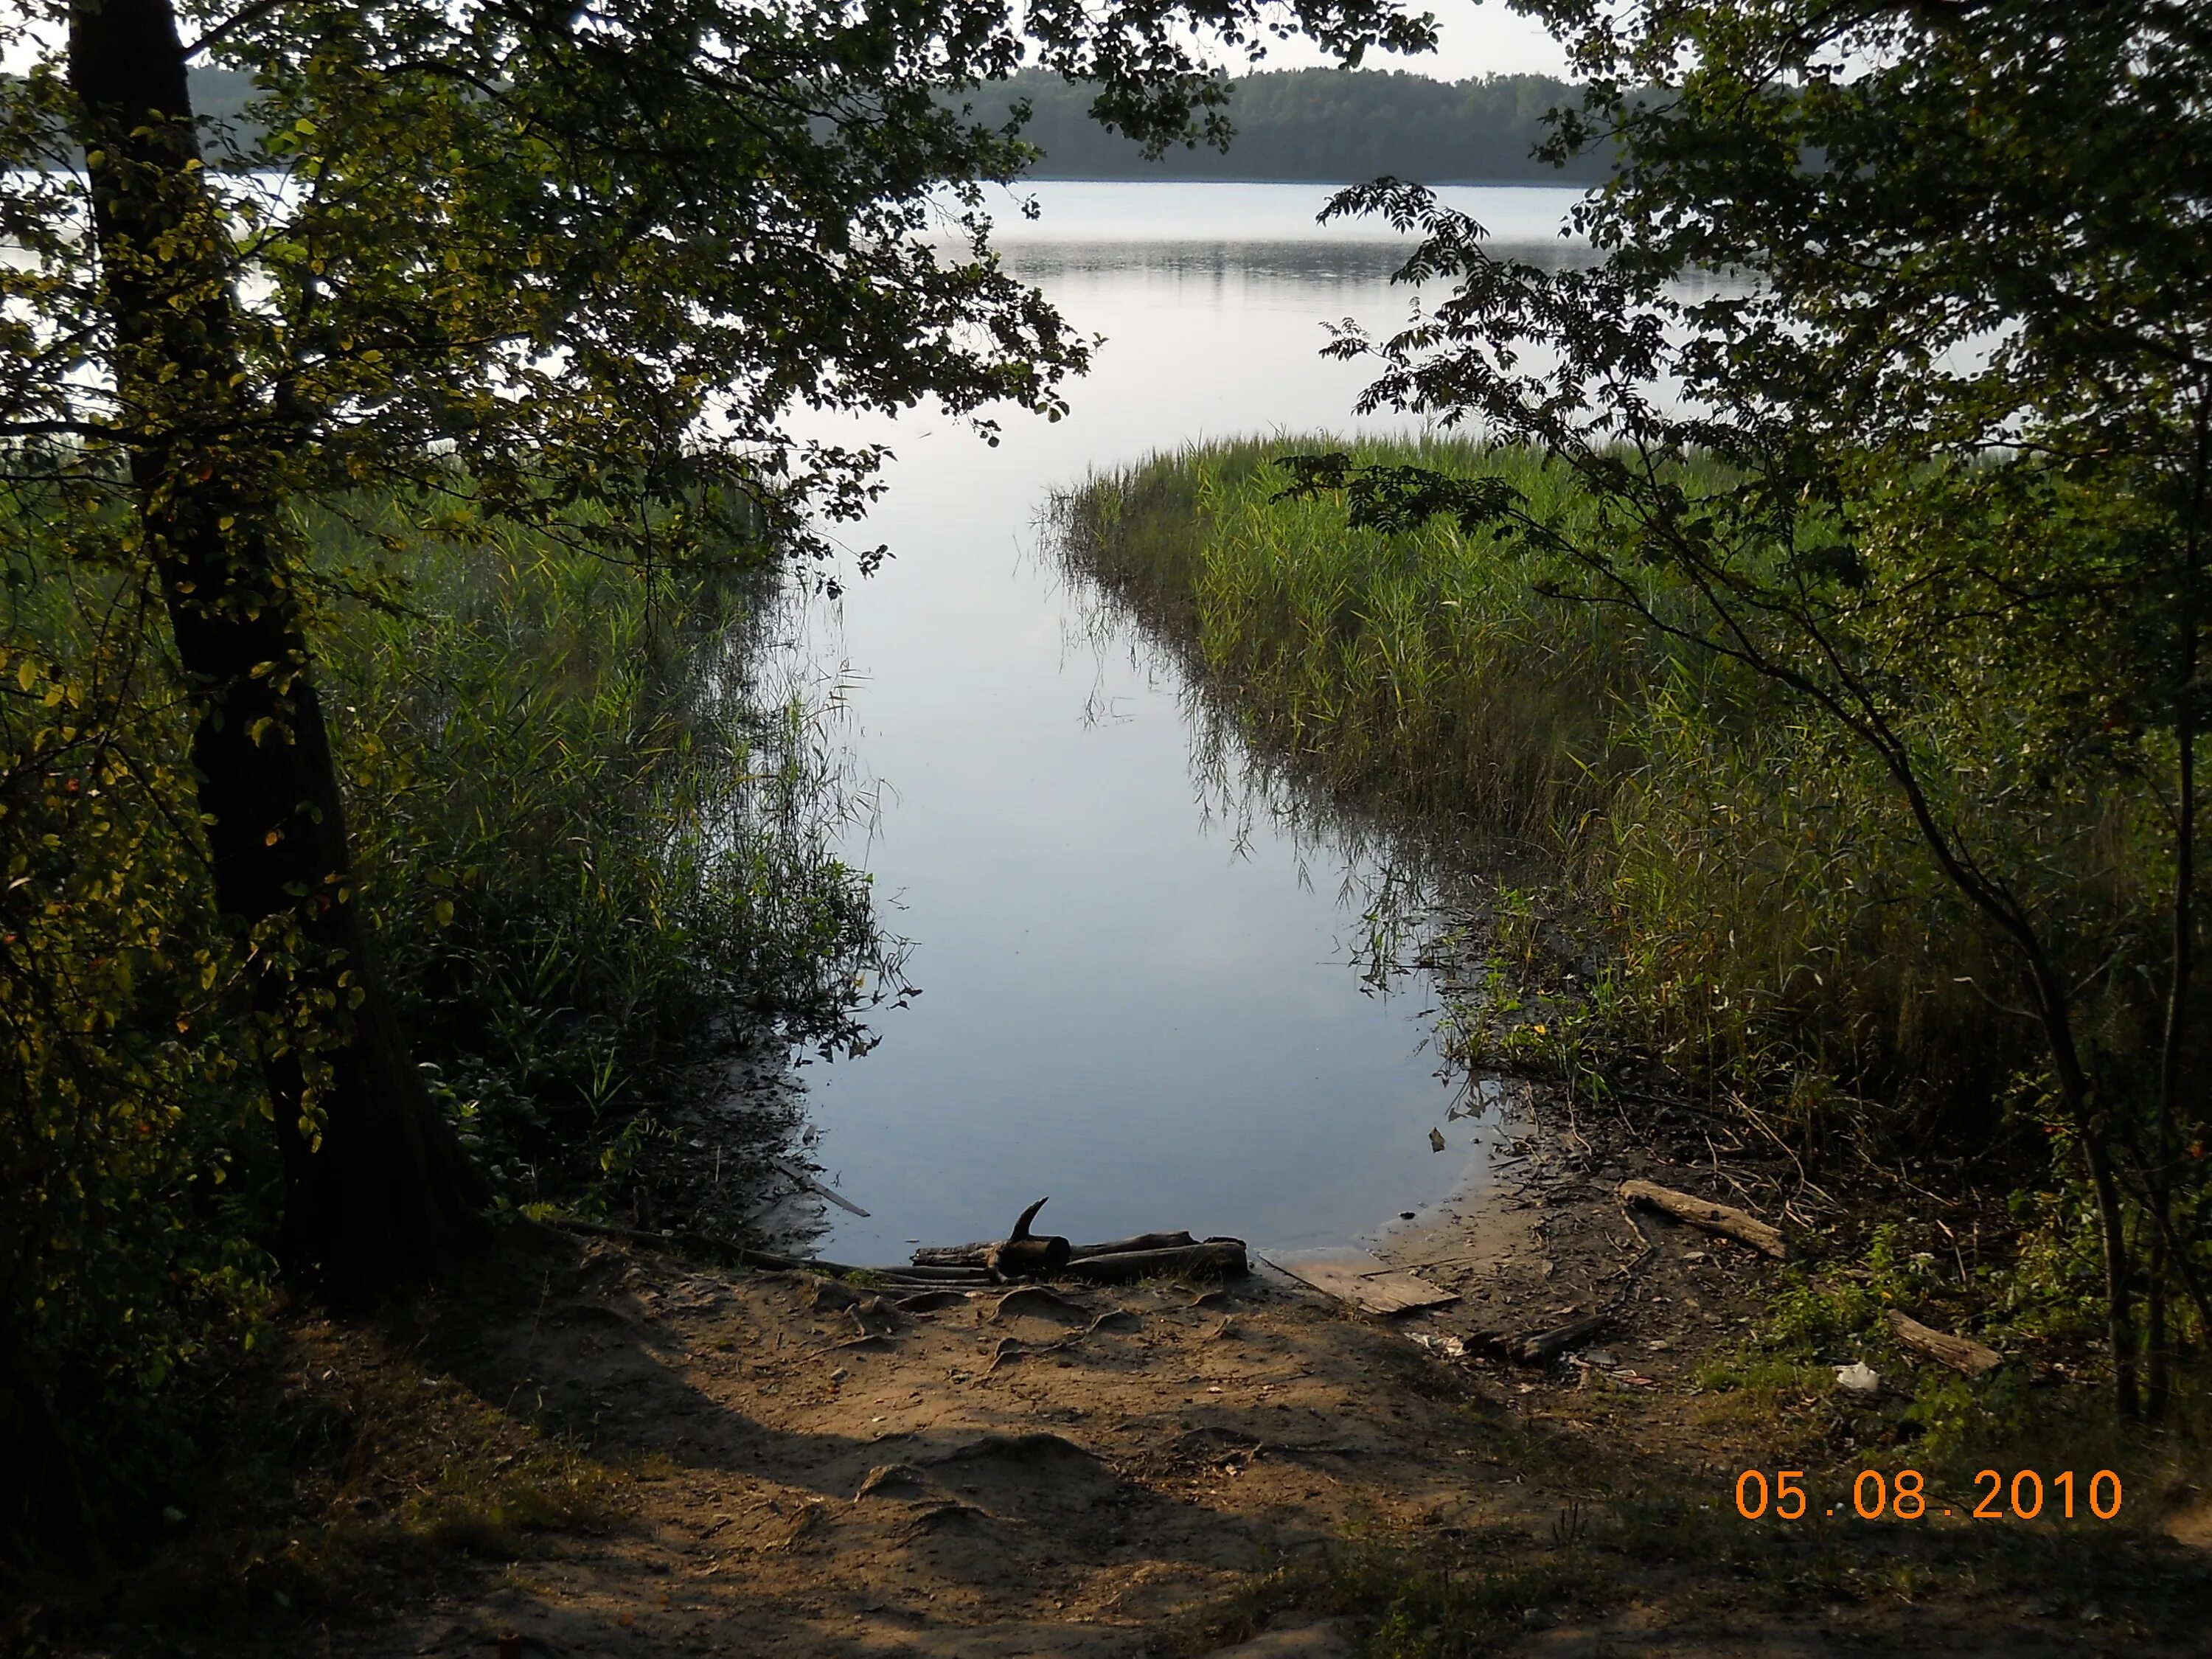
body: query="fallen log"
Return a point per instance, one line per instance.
(953, 1255)
(934, 1275)
(971, 1255)
(1956, 1351)
(1216, 1258)
(1724, 1219)
(1547, 1346)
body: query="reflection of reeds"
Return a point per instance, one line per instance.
(1769, 923)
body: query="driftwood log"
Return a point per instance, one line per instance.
(1215, 1258)
(1547, 1346)
(972, 1255)
(1025, 1255)
(1724, 1219)
(1956, 1351)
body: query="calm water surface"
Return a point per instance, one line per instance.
(1135, 1001)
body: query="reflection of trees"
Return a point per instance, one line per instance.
(1315, 263)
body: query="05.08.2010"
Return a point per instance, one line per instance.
(1875, 1496)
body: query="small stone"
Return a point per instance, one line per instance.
(1858, 1377)
(839, 1375)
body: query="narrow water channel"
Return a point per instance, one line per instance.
(1140, 996)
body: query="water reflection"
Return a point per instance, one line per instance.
(1323, 265)
(1162, 980)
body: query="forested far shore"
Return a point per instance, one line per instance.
(1311, 127)
(1321, 126)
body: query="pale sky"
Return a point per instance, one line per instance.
(1475, 38)
(1472, 40)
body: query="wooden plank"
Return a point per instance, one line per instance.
(1355, 1277)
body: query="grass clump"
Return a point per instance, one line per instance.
(579, 870)
(1476, 1594)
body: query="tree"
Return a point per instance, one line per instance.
(1322, 125)
(1955, 380)
(571, 265)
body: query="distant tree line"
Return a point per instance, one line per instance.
(1326, 126)
(1314, 125)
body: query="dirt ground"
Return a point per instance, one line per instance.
(794, 1465)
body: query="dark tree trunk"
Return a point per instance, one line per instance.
(378, 1189)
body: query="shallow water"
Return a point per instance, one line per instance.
(1141, 994)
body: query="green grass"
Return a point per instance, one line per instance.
(1691, 885)
(1416, 669)
(590, 837)
(1744, 899)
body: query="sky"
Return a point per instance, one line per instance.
(1472, 39)
(1475, 38)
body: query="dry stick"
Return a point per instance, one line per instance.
(1956, 1351)
(1957, 1254)
(819, 1189)
(1724, 1219)
(1805, 1182)
(1617, 1096)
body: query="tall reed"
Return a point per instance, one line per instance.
(1769, 926)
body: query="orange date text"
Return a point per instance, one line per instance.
(1876, 1495)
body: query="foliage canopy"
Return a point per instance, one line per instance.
(456, 273)
(1953, 379)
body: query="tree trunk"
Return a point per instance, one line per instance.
(377, 1186)
(2172, 1050)
(2048, 991)
(2111, 1226)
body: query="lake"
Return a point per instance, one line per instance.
(1142, 991)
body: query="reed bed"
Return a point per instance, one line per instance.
(598, 833)
(1731, 892)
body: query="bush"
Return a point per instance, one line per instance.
(588, 843)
